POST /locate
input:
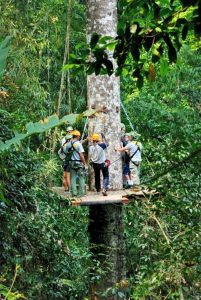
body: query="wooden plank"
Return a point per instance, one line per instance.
(99, 202)
(114, 197)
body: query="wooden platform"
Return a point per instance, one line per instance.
(94, 199)
(114, 197)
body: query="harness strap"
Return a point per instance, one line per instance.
(71, 150)
(138, 149)
(137, 165)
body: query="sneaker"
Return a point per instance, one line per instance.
(98, 192)
(104, 193)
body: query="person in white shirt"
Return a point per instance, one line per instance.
(134, 150)
(98, 159)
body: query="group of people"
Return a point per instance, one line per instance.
(75, 166)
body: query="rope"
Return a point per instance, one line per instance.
(127, 116)
(85, 127)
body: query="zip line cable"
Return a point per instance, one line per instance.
(85, 127)
(127, 116)
(131, 125)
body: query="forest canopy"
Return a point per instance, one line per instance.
(44, 242)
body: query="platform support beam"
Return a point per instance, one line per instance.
(106, 232)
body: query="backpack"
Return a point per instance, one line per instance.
(66, 156)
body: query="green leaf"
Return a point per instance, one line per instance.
(109, 66)
(164, 67)
(69, 66)
(135, 52)
(140, 82)
(111, 46)
(41, 127)
(94, 40)
(66, 282)
(4, 49)
(133, 28)
(185, 31)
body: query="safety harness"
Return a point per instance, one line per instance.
(70, 152)
(67, 156)
(130, 158)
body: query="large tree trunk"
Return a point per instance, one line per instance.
(106, 229)
(106, 221)
(104, 91)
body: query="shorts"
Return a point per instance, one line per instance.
(66, 167)
(126, 169)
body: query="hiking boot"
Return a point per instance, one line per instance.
(104, 193)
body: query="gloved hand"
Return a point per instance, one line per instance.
(86, 170)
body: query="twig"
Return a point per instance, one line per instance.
(161, 228)
(14, 278)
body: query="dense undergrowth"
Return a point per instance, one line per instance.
(43, 241)
(41, 234)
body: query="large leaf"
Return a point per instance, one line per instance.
(4, 49)
(42, 126)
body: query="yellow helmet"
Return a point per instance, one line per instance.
(95, 137)
(76, 133)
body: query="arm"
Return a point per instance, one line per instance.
(85, 140)
(104, 140)
(122, 149)
(83, 158)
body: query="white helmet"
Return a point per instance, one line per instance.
(69, 128)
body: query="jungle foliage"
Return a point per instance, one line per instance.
(145, 40)
(44, 249)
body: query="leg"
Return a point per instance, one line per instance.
(97, 177)
(135, 174)
(65, 184)
(126, 173)
(105, 172)
(66, 176)
(81, 179)
(66, 181)
(73, 179)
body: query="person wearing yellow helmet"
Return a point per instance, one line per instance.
(77, 164)
(66, 167)
(98, 158)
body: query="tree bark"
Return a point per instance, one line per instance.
(106, 221)
(103, 90)
(106, 230)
